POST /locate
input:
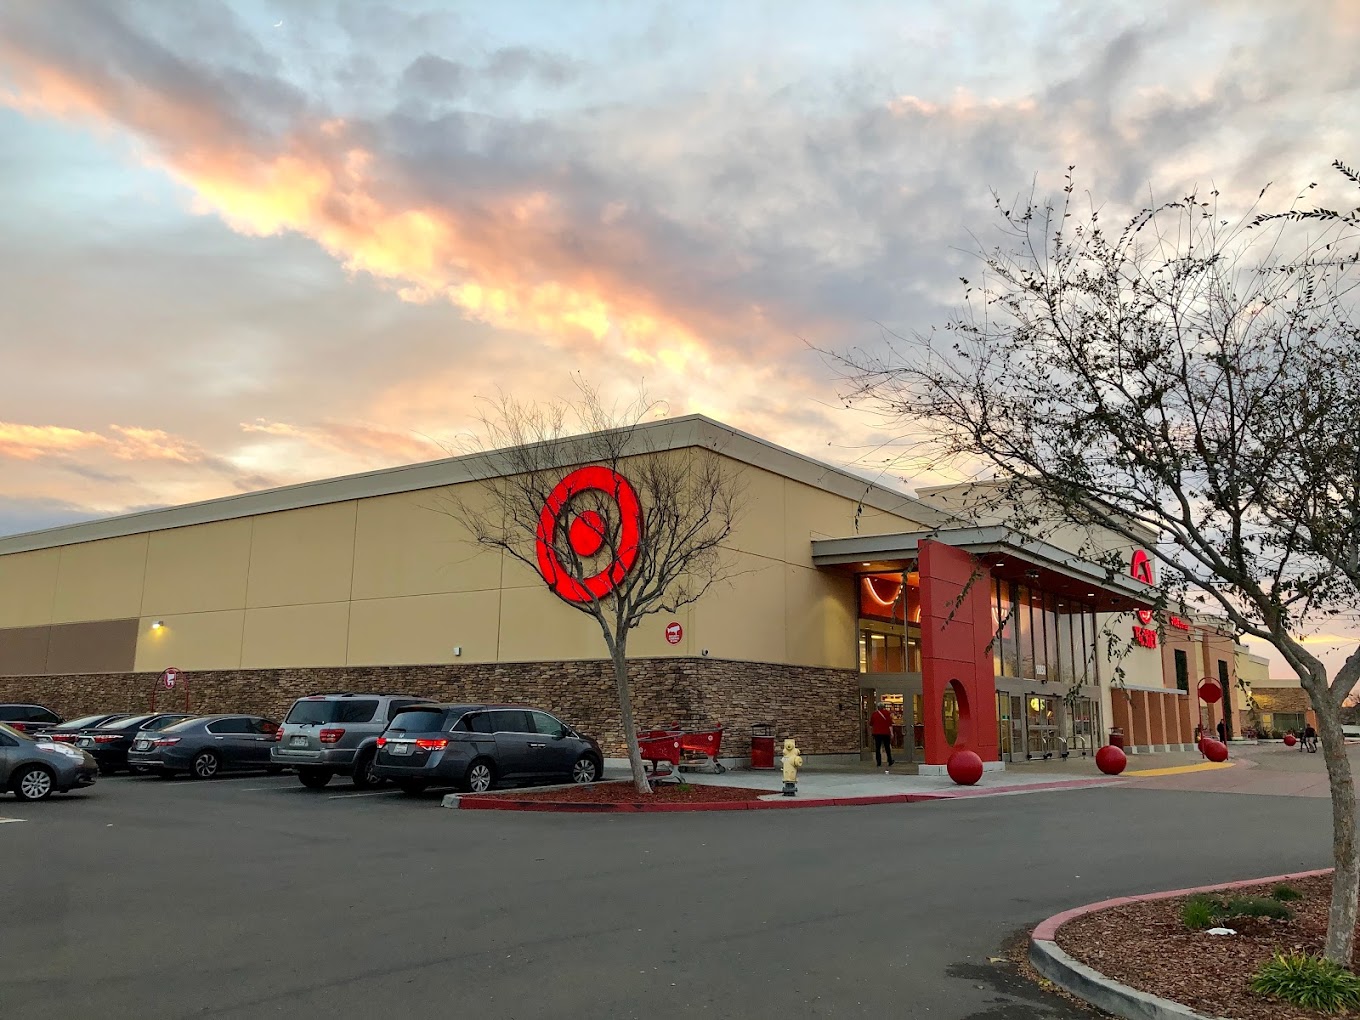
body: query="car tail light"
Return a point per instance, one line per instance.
(105, 738)
(330, 736)
(382, 741)
(278, 733)
(432, 745)
(165, 741)
(64, 738)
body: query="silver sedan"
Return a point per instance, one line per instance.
(34, 769)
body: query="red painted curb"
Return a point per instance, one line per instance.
(477, 803)
(1048, 930)
(506, 801)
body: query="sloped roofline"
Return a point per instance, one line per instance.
(693, 430)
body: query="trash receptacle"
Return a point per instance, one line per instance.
(762, 746)
(1116, 737)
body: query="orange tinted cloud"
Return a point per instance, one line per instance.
(129, 443)
(510, 261)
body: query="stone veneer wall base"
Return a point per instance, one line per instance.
(817, 706)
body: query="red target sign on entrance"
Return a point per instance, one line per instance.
(169, 678)
(587, 533)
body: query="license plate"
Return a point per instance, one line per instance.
(85, 742)
(298, 741)
(400, 748)
(142, 745)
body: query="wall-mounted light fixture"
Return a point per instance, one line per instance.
(157, 624)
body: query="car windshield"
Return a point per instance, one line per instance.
(82, 722)
(332, 710)
(135, 723)
(419, 720)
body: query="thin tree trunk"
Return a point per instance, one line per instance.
(1346, 880)
(629, 727)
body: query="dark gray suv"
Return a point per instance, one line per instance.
(473, 747)
(327, 734)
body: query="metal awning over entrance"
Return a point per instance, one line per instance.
(1004, 553)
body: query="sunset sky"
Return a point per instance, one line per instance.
(252, 243)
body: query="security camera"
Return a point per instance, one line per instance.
(705, 651)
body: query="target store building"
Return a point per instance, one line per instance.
(845, 594)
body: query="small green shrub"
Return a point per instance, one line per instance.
(1308, 981)
(1256, 906)
(1200, 912)
(1285, 893)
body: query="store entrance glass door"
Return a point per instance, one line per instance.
(908, 730)
(1041, 725)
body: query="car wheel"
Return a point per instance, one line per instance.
(586, 770)
(34, 783)
(314, 779)
(363, 772)
(412, 786)
(205, 766)
(481, 776)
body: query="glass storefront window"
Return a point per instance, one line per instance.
(889, 627)
(1005, 608)
(949, 710)
(1051, 660)
(1024, 630)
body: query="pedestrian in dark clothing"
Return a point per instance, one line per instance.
(1222, 731)
(1310, 738)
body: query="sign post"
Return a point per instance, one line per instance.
(170, 679)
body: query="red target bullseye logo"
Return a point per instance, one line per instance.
(586, 533)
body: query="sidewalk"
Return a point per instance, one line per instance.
(864, 781)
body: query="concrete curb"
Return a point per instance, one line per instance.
(1104, 993)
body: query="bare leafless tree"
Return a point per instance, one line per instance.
(1188, 374)
(617, 527)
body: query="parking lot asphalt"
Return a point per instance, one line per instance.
(252, 897)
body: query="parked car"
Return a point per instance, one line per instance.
(28, 718)
(109, 742)
(328, 734)
(206, 746)
(66, 732)
(34, 769)
(474, 747)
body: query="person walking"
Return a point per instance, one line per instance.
(880, 725)
(1310, 738)
(1222, 731)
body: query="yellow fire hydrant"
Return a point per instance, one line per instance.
(793, 761)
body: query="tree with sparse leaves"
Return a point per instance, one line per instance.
(618, 528)
(1188, 374)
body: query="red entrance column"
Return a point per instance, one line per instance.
(956, 636)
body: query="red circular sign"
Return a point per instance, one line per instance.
(1145, 617)
(169, 677)
(1209, 691)
(586, 533)
(674, 632)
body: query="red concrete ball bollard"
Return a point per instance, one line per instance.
(1111, 760)
(1290, 740)
(964, 767)
(1215, 750)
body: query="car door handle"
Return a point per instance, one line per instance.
(532, 744)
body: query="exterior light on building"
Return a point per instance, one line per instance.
(864, 564)
(157, 624)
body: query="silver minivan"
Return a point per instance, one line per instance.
(328, 734)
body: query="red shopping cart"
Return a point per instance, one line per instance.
(701, 749)
(661, 748)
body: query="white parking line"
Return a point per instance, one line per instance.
(5, 821)
(352, 796)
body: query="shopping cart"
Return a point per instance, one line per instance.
(661, 748)
(700, 749)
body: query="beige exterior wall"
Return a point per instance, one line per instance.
(392, 580)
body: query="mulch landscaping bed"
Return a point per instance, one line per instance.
(1147, 946)
(625, 793)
